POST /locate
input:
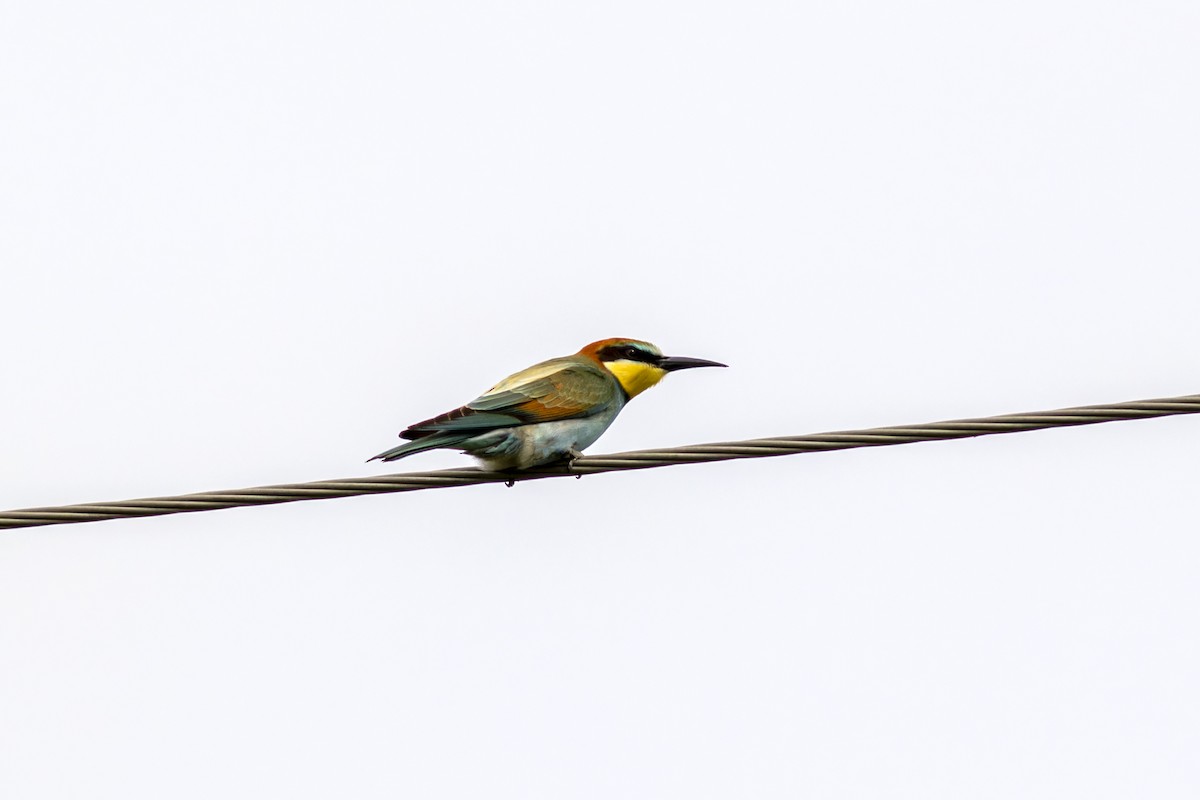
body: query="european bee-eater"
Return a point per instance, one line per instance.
(550, 411)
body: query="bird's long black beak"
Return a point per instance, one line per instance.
(672, 363)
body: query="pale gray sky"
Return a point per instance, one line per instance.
(247, 243)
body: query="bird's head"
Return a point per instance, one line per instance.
(638, 365)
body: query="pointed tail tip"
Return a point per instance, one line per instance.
(394, 454)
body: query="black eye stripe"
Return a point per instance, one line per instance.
(629, 353)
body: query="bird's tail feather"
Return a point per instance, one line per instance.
(422, 444)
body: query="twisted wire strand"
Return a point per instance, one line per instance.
(592, 465)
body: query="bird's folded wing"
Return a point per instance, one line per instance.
(553, 390)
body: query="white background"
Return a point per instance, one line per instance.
(247, 242)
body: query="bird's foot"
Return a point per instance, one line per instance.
(572, 456)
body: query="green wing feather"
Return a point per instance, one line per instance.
(562, 388)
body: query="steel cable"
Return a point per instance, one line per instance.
(591, 465)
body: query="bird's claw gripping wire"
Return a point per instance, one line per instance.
(574, 455)
(568, 462)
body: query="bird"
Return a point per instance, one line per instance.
(547, 413)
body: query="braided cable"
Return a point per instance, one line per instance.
(590, 465)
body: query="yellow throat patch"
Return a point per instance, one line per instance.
(635, 377)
